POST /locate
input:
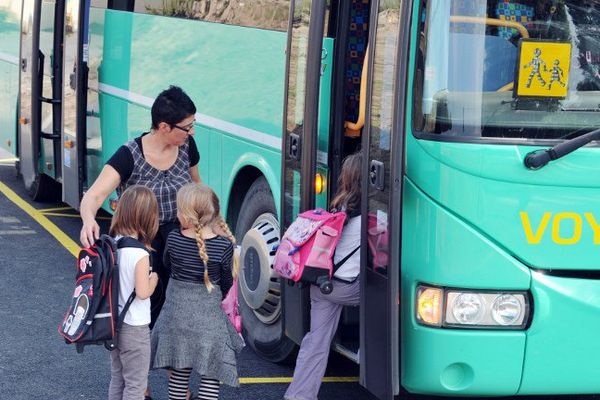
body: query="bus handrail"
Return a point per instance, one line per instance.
(491, 21)
(353, 128)
(494, 22)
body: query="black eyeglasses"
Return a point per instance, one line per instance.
(186, 130)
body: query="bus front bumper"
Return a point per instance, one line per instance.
(558, 354)
(562, 354)
(461, 362)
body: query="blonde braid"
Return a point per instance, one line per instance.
(235, 265)
(203, 256)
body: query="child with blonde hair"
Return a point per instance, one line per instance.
(192, 332)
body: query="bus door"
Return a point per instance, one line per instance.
(40, 93)
(300, 136)
(74, 99)
(382, 200)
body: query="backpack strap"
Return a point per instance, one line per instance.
(122, 315)
(343, 260)
(127, 241)
(122, 243)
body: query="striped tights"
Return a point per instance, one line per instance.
(180, 379)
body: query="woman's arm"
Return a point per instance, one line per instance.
(195, 174)
(145, 281)
(108, 180)
(194, 156)
(226, 277)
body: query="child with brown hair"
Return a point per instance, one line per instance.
(192, 332)
(326, 309)
(136, 217)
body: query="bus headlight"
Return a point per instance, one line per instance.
(472, 308)
(506, 309)
(468, 308)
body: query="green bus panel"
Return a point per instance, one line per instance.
(9, 75)
(440, 249)
(562, 343)
(138, 59)
(547, 218)
(474, 217)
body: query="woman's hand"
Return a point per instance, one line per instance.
(90, 231)
(105, 184)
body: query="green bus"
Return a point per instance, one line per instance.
(476, 119)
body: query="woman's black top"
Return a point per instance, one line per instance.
(181, 255)
(130, 163)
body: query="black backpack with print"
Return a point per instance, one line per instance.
(93, 314)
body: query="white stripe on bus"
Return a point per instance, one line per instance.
(211, 122)
(206, 120)
(9, 58)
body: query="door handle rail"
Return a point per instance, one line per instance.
(50, 101)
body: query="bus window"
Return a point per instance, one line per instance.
(264, 14)
(461, 93)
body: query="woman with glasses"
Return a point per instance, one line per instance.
(164, 160)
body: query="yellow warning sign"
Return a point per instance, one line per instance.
(543, 69)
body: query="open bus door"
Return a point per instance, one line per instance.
(74, 99)
(383, 166)
(299, 144)
(40, 87)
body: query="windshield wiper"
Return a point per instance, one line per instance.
(537, 159)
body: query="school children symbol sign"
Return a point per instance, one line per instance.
(543, 69)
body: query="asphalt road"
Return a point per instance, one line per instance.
(36, 282)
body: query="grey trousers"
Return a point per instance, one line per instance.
(130, 364)
(314, 351)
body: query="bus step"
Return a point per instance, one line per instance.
(346, 352)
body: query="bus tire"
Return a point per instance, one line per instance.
(44, 189)
(264, 333)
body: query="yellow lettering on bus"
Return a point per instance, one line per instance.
(595, 227)
(576, 229)
(534, 238)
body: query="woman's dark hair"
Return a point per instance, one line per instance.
(349, 182)
(172, 106)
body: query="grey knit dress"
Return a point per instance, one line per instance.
(192, 331)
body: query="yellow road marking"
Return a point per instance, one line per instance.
(52, 214)
(62, 237)
(73, 248)
(276, 379)
(45, 210)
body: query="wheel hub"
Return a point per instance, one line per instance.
(259, 284)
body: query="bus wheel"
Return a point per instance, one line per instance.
(260, 287)
(44, 189)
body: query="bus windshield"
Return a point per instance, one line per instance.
(508, 69)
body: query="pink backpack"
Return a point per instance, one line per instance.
(230, 307)
(378, 240)
(305, 252)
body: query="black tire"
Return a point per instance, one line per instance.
(268, 341)
(45, 189)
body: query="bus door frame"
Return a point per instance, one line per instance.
(30, 131)
(28, 144)
(380, 294)
(74, 146)
(296, 313)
